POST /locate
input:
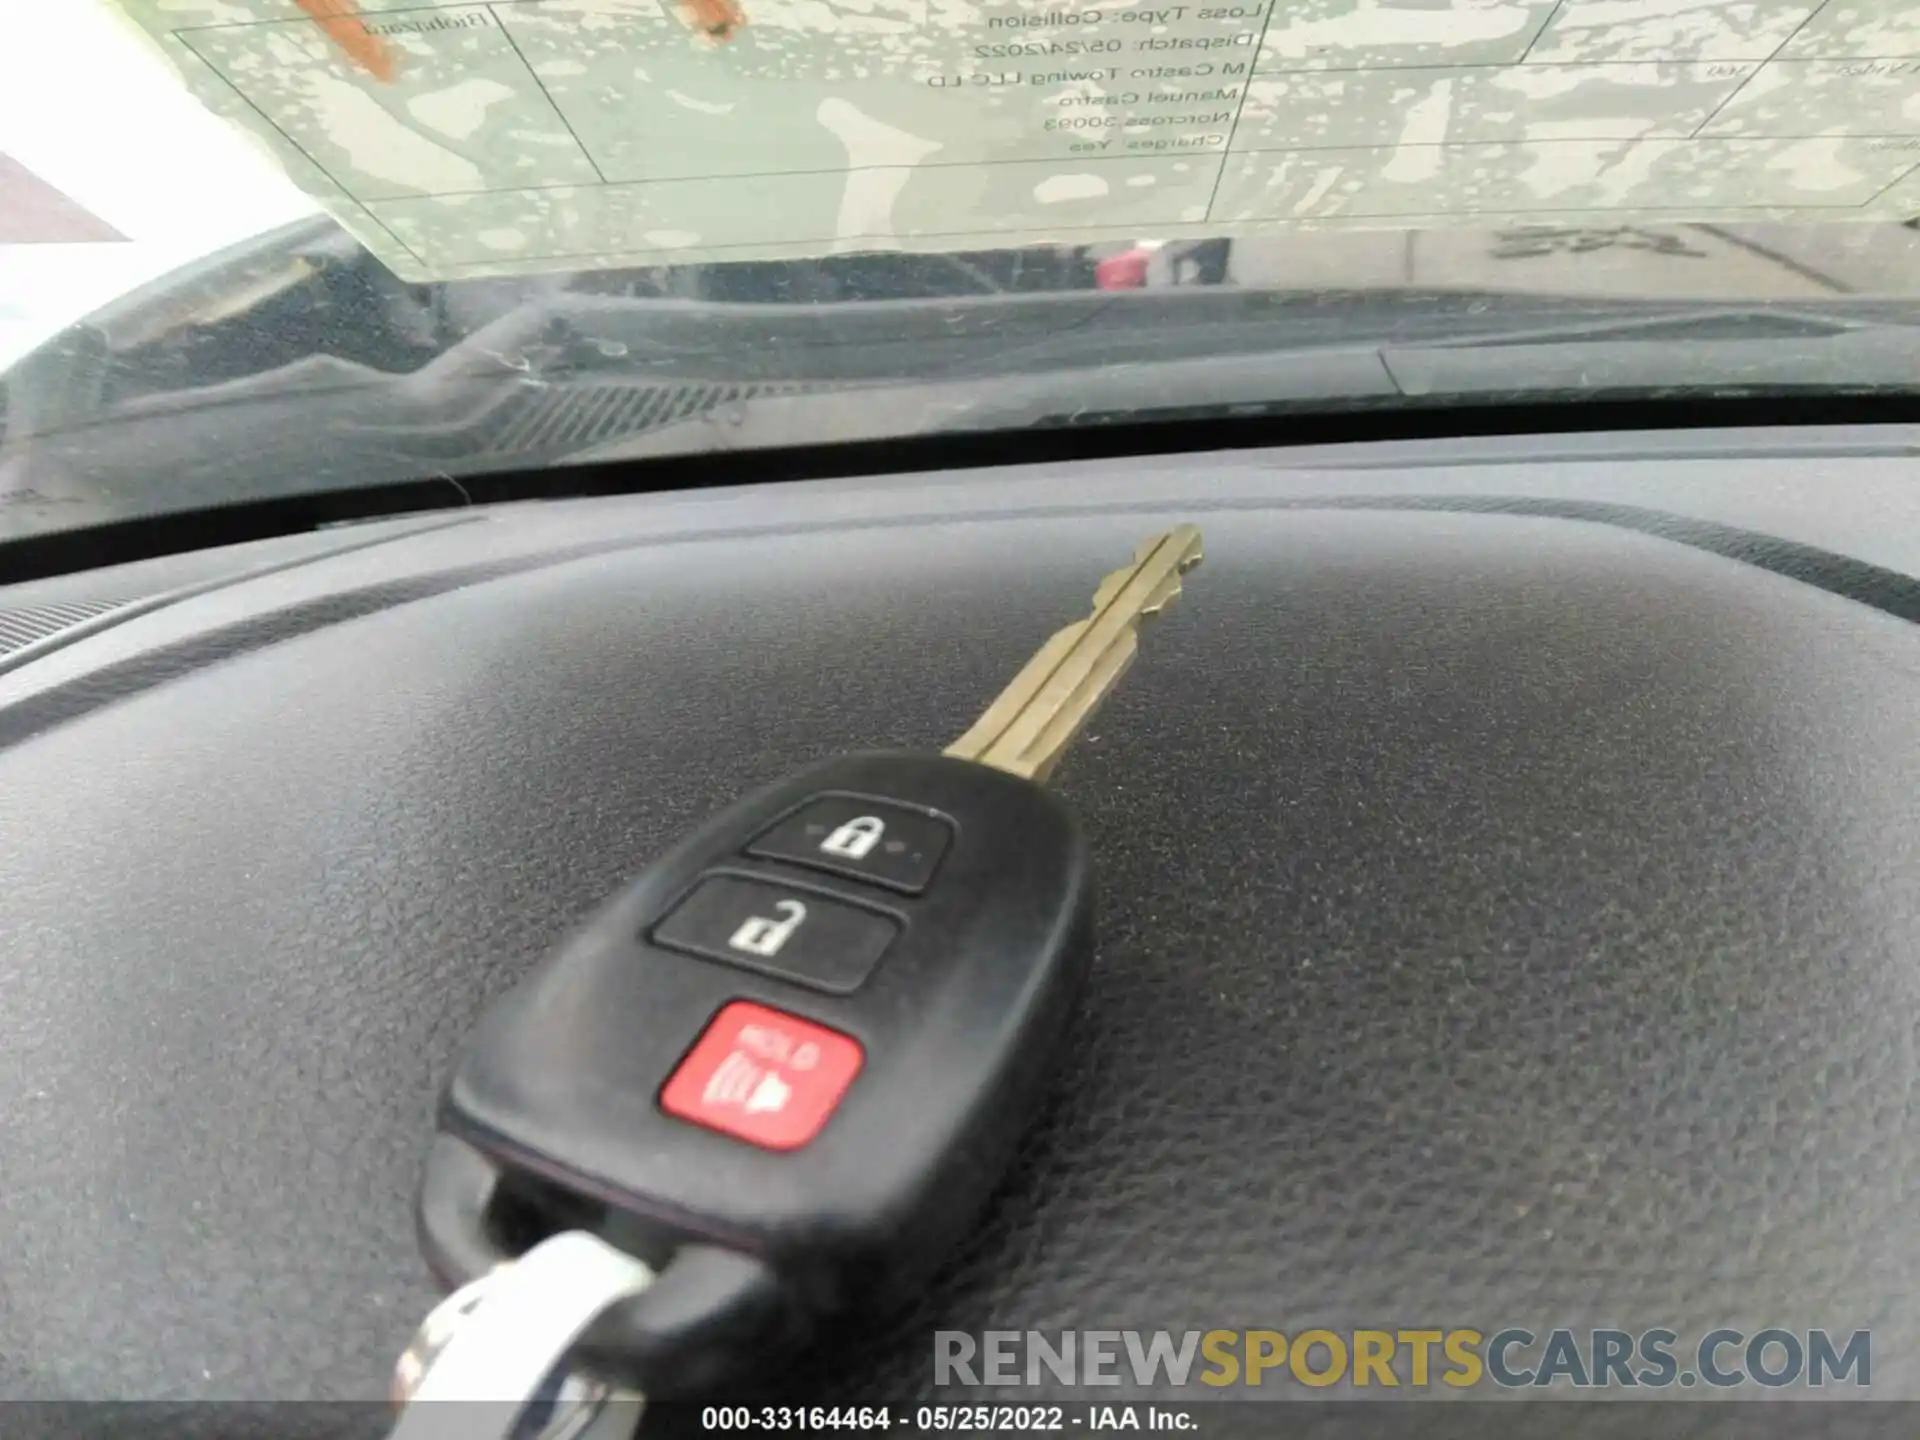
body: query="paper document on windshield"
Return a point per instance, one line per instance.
(463, 140)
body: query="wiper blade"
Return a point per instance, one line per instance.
(1711, 351)
(574, 376)
(1717, 350)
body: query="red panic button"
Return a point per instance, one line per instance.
(764, 1077)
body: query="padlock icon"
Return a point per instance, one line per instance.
(854, 839)
(761, 936)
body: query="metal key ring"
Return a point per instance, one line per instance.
(490, 1362)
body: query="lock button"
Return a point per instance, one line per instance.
(790, 934)
(863, 839)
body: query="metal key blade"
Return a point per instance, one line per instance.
(1030, 723)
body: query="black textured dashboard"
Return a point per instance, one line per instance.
(1506, 857)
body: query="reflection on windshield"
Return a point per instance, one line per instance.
(320, 369)
(458, 141)
(352, 244)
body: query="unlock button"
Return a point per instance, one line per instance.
(863, 839)
(792, 934)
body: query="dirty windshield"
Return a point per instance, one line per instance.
(258, 247)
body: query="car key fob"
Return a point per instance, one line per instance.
(787, 1065)
(816, 1055)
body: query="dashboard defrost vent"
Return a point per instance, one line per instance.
(21, 628)
(573, 417)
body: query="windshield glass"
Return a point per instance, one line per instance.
(252, 248)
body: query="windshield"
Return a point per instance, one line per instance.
(253, 248)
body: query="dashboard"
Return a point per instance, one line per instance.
(1506, 870)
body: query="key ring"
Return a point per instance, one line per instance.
(489, 1362)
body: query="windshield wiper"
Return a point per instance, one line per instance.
(1715, 352)
(577, 376)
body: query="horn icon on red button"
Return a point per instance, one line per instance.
(762, 1076)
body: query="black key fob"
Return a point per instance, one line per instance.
(785, 1066)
